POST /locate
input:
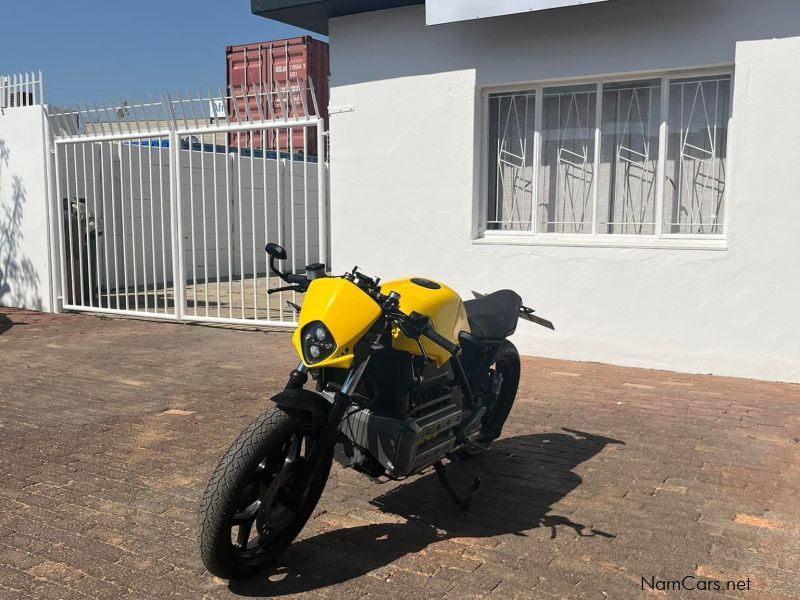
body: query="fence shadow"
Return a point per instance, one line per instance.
(523, 477)
(19, 282)
(6, 323)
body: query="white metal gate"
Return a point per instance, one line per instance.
(167, 204)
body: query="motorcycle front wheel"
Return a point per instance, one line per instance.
(244, 522)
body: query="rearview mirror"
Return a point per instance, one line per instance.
(275, 251)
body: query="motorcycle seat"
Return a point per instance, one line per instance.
(493, 317)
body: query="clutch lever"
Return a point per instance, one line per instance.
(286, 288)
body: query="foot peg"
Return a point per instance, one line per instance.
(463, 502)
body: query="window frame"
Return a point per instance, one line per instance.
(657, 240)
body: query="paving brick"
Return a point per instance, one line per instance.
(101, 471)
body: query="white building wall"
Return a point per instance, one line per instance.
(24, 261)
(405, 177)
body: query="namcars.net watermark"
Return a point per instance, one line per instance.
(691, 583)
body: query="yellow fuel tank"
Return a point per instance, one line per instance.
(436, 301)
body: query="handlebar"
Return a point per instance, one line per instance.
(416, 325)
(413, 325)
(297, 283)
(286, 288)
(440, 340)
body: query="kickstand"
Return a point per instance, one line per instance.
(463, 502)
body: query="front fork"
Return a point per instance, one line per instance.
(297, 378)
(329, 431)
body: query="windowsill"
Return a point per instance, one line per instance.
(498, 238)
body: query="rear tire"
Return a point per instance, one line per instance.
(507, 364)
(245, 492)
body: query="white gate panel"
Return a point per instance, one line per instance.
(302, 225)
(142, 211)
(208, 220)
(173, 222)
(117, 230)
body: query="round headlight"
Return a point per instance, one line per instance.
(318, 343)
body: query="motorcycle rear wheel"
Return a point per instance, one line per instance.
(507, 365)
(243, 524)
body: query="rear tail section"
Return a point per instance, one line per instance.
(526, 313)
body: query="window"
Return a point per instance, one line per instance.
(696, 155)
(567, 166)
(511, 175)
(628, 158)
(626, 198)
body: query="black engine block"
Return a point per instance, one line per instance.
(408, 421)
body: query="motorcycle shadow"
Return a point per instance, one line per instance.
(522, 477)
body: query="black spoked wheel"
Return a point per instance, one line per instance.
(506, 366)
(246, 517)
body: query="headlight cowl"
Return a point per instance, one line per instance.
(318, 343)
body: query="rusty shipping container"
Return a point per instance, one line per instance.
(280, 65)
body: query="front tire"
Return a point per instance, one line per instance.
(243, 525)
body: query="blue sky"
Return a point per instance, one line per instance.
(108, 50)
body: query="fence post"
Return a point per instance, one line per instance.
(322, 195)
(52, 215)
(176, 228)
(58, 222)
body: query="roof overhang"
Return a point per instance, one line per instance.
(450, 11)
(314, 14)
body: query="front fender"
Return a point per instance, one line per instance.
(305, 401)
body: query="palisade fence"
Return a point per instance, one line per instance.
(21, 89)
(167, 203)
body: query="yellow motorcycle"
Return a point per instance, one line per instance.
(406, 375)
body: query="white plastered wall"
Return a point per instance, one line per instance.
(405, 177)
(24, 250)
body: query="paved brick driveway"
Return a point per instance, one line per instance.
(110, 428)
